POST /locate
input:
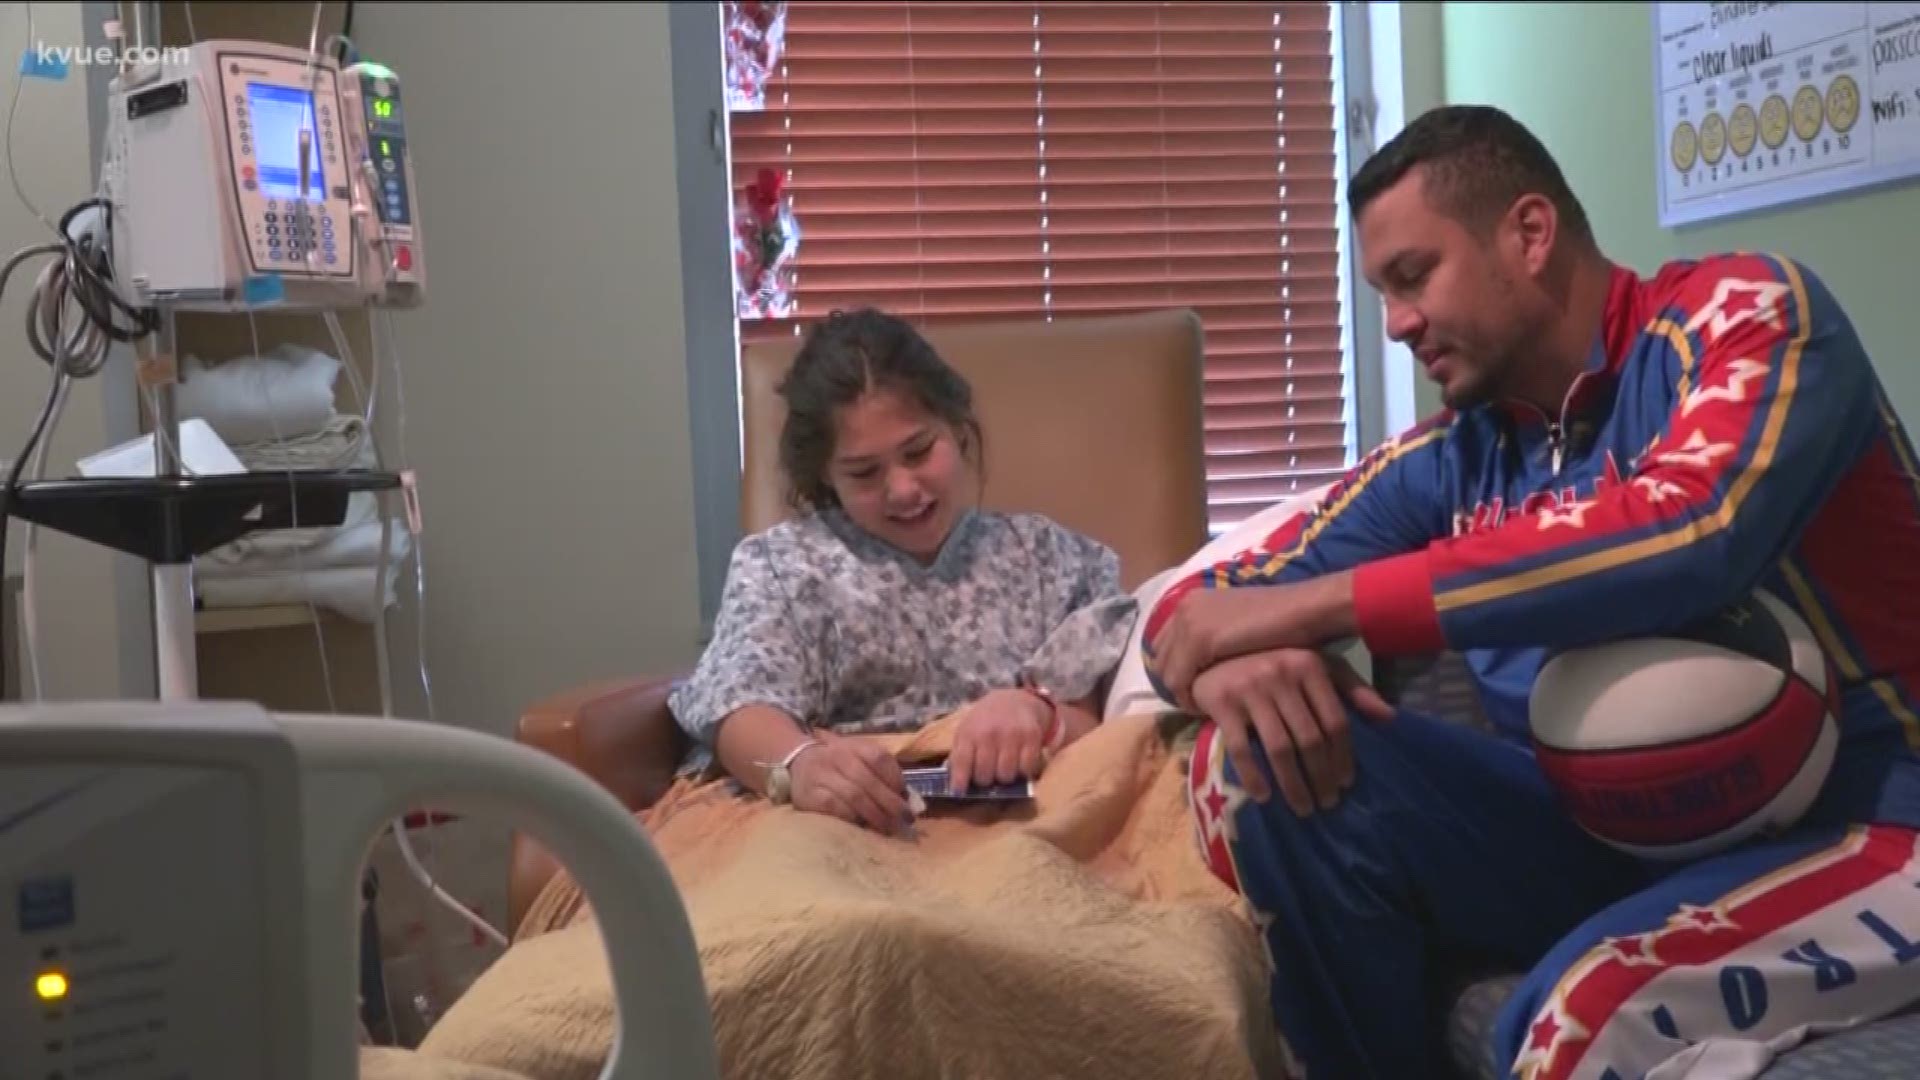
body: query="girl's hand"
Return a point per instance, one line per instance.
(854, 780)
(1003, 739)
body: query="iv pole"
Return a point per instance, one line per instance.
(175, 648)
(176, 661)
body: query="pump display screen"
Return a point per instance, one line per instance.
(278, 114)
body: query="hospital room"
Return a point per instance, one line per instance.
(1015, 539)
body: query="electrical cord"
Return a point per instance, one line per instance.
(19, 466)
(419, 566)
(29, 598)
(84, 279)
(344, 39)
(399, 827)
(402, 837)
(78, 279)
(13, 106)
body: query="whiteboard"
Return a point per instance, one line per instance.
(1763, 104)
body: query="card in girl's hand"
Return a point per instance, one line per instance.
(933, 783)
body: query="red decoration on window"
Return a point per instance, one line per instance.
(765, 239)
(755, 31)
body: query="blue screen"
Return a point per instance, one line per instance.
(278, 114)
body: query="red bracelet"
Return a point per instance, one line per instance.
(1051, 735)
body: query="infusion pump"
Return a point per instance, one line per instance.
(243, 174)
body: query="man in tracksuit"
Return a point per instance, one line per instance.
(1618, 457)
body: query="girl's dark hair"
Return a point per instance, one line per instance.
(849, 354)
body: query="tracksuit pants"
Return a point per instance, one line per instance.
(1450, 849)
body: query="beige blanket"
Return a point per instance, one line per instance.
(1079, 936)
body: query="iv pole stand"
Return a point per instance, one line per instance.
(175, 649)
(171, 518)
(176, 662)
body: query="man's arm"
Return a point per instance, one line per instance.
(1779, 403)
(1389, 503)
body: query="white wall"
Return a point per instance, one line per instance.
(48, 149)
(544, 379)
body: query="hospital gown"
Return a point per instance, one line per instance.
(840, 630)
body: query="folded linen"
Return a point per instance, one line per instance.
(340, 442)
(294, 550)
(344, 590)
(284, 393)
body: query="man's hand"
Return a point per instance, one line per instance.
(1294, 699)
(1002, 738)
(1213, 625)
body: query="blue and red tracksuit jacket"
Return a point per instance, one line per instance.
(1729, 433)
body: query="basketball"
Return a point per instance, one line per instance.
(1678, 746)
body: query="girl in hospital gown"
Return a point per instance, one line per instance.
(894, 598)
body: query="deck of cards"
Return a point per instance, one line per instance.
(934, 784)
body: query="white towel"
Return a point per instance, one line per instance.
(293, 550)
(287, 393)
(347, 590)
(341, 443)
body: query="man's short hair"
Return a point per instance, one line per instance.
(1478, 162)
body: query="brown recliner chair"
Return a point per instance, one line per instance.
(1093, 422)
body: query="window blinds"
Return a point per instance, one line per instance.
(993, 161)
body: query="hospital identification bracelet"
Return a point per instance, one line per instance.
(780, 773)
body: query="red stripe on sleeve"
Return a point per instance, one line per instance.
(1393, 605)
(1164, 607)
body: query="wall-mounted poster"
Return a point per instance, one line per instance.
(1761, 104)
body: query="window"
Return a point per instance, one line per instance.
(990, 161)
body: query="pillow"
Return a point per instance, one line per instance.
(1131, 691)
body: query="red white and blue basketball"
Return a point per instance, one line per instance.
(1679, 746)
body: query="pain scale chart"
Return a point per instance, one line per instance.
(1764, 104)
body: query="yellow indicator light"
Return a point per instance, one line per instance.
(51, 986)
